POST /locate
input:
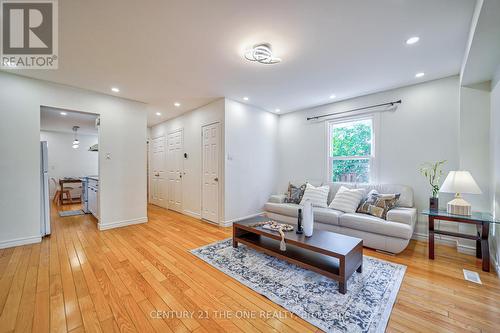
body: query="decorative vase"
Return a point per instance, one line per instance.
(307, 218)
(433, 203)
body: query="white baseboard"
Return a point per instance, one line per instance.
(192, 214)
(120, 224)
(438, 239)
(229, 223)
(466, 249)
(20, 241)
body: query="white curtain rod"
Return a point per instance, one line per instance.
(357, 109)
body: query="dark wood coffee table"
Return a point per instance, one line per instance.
(325, 252)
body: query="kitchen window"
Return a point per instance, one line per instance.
(351, 150)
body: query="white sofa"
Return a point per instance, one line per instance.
(391, 235)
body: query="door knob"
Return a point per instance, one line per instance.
(216, 179)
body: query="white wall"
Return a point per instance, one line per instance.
(475, 151)
(122, 134)
(251, 159)
(192, 123)
(423, 128)
(64, 161)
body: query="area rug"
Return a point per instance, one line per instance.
(365, 307)
(66, 213)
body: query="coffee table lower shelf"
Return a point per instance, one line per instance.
(308, 259)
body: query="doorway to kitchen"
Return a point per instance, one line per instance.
(69, 165)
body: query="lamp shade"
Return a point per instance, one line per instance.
(460, 182)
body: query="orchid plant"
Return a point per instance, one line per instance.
(433, 172)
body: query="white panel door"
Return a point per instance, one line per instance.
(210, 172)
(158, 174)
(175, 170)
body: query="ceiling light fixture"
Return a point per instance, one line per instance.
(158, 113)
(114, 89)
(419, 75)
(412, 40)
(332, 96)
(76, 143)
(177, 104)
(63, 113)
(278, 110)
(245, 98)
(262, 53)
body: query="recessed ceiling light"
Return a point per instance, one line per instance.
(245, 98)
(332, 96)
(277, 110)
(419, 74)
(412, 40)
(63, 113)
(177, 104)
(114, 89)
(158, 113)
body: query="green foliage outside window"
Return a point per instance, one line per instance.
(353, 139)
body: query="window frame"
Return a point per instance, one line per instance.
(373, 165)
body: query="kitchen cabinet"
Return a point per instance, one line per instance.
(93, 197)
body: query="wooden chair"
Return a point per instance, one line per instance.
(57, 195)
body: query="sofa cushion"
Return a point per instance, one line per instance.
(277, 198)
(294, 193)
(326, 215)
(375, 225)
(286, 209)
(406, 192)
(403, 215)
(317, 195)
(377, 204)
(347, 200)
(321, 215)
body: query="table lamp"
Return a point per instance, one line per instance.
(459, 182)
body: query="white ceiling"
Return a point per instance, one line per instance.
(161, 52)
(52, 120)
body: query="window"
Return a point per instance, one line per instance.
(351, 150)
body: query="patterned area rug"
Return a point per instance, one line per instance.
(66, 213)
(365, 307)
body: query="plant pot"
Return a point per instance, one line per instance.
(433, 203)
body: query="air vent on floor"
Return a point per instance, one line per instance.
(472, 276)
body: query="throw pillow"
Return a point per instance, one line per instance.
(295, 193)
(317, 195)
(377, 204)
(347, 200)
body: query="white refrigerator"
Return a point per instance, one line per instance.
(44, 189)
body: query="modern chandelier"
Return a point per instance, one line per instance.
(76, 143)
(262, 53)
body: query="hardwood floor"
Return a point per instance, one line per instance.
(80, 279)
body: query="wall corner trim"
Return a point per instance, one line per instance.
(20, 241)
(119, 224)
(496, 265)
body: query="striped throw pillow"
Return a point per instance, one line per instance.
(317, 195)
(347, 200)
